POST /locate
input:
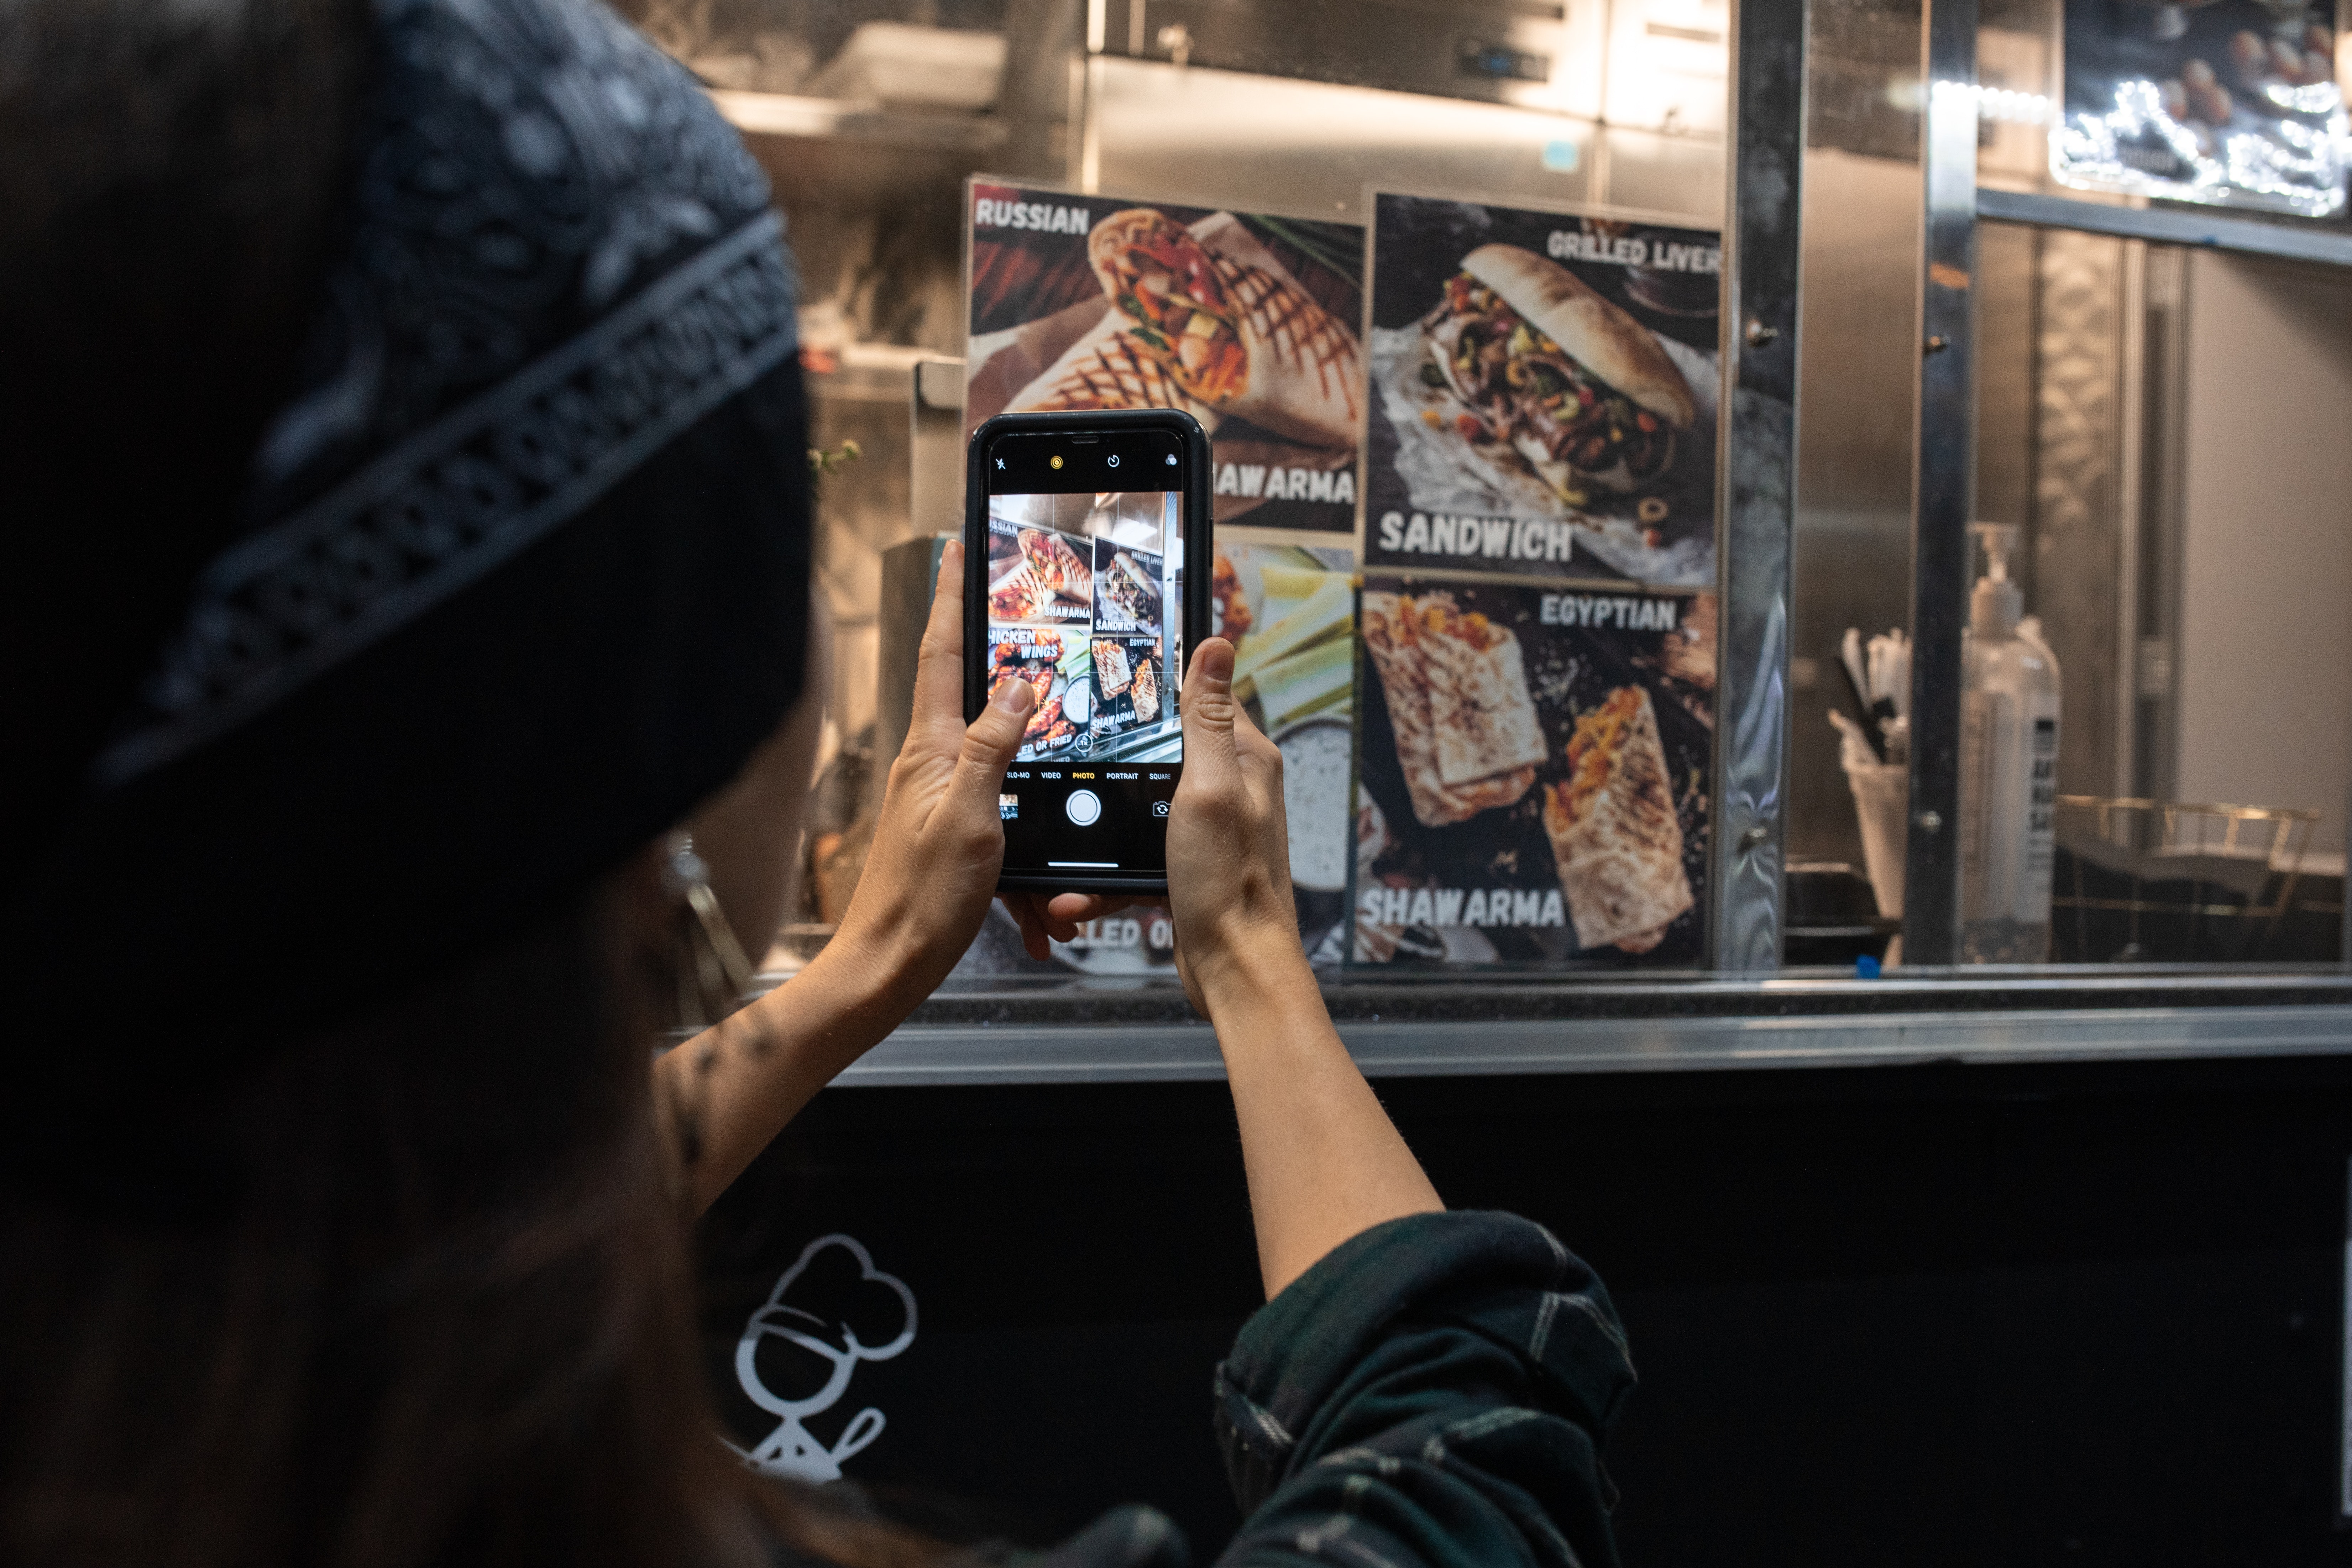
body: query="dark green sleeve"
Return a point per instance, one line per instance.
(1434, 1392)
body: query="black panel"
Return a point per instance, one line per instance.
(1946, 1315)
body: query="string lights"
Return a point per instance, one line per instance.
(2138, 146)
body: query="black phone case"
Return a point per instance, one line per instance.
(1199, 546)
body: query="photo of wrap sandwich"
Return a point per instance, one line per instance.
(1058, 565)
(1038, 574)
(1615, 834)
(1247, 321)
(1533, 370)
(1128, 593)
(1013, 594)
(1467, 738)
(1235, 336)
(1107, 368)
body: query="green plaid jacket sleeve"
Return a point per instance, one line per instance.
(1434, 1392)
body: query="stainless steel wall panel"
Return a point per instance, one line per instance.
(2079, 523)
(1857, 379)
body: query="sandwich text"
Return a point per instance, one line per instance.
(1042, 217)
(1476, 538)
(1437, 907)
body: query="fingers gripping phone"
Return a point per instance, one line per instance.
(1078, 532)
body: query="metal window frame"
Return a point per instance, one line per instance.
(1943, 474)
(1763, 211)
(1944, 479)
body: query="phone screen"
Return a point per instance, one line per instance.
(1085, 603)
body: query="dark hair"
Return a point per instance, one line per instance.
(449, 1323)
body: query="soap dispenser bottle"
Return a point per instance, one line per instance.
(2009, 769)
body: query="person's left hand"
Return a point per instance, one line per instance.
(940, 842)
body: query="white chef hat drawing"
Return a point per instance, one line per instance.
(804, 1319)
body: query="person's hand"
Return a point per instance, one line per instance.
(938, 842)
(1229, 846)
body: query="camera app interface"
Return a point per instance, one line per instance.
(1086, 605)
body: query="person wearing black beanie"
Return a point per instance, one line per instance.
(409, 684)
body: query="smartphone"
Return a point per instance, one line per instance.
(1079, 529)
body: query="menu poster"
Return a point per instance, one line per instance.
(1245, 321)
(1532, 769)
(1543, 393)
(2233, 102)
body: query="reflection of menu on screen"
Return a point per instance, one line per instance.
(1085, 603)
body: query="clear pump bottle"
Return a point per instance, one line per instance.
(2009, 769)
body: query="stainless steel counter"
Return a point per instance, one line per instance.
(1092, 1034)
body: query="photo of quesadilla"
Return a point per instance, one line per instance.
(1615, 834)
(1235, 336)
(1111, 669)
(1467, 736)
(1526, 363)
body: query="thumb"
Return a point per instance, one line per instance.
(1208, 707)
(990, 740)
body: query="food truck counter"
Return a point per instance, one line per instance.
(1093, 1031)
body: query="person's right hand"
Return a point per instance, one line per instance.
(1229, 846)
(940, 841)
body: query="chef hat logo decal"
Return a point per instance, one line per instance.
(829, 1311)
